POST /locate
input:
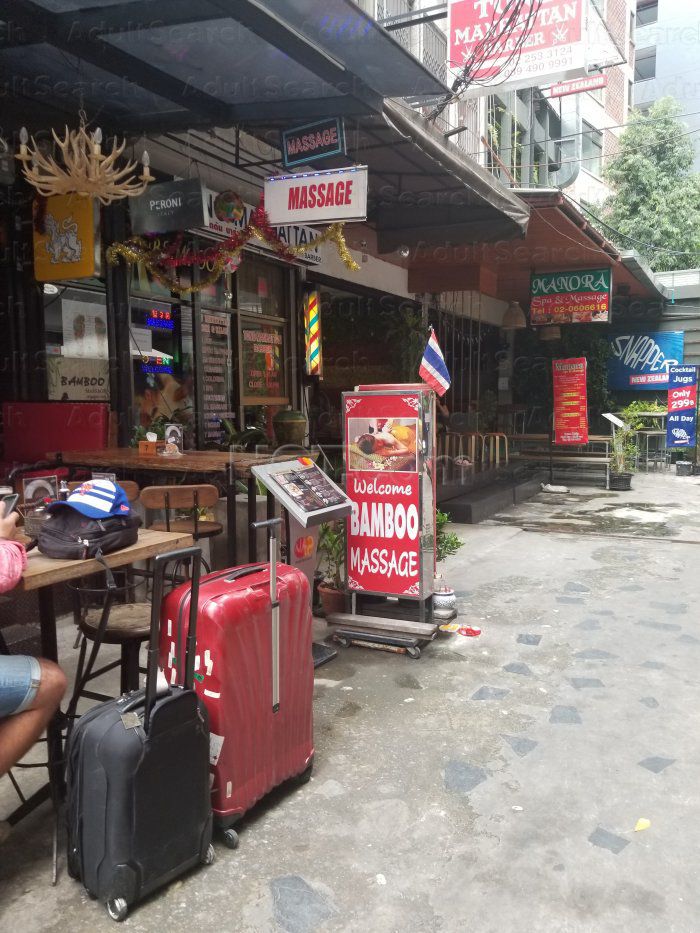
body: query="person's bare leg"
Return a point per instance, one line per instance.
(18, 733)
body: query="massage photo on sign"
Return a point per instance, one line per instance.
(382, 444)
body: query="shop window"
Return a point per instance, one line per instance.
(645, 64)
(592, 149)
(647, 12)
(160, 336)
(77, 347)
(260, 287)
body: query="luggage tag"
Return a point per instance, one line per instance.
(131, 720)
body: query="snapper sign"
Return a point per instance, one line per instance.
(640, 362)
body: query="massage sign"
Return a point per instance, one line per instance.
(337, 195)
(383, 548)
(581, 297)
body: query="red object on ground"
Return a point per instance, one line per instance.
(253, 748)
(468, 630)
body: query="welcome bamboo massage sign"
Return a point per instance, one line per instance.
(383, 483)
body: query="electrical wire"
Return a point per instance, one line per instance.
(617, 233)
(615, 126)
(595, 158)
(486, 48)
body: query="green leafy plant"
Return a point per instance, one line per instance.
(623, 455)
(447, 542)
(632, 414)
(408, 334)
(331, 553)
(656, 193)
(157, 426)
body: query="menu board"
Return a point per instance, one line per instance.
(310, 489)
(570, 401)
(216, 366)
(262, 363)
(308, 495)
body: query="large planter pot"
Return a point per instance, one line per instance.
(331, 600)
(620, 481)
(290, 427)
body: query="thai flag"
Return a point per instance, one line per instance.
(432, 368)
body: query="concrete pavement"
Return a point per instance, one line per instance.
(495, 783)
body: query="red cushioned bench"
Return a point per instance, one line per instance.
(31, 429)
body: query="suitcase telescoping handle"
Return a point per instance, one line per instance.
(159, 564)
(272, 524)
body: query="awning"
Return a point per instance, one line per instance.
(148, 66)
(425, 191)
(559, 238)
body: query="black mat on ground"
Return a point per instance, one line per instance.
(322, 653)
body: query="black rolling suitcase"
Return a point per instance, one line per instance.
(138, 803)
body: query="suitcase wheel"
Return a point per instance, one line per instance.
(209, 855)
(231, 838)
(305, 776)
(117, 908)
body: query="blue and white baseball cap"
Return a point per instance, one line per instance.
(97, 498)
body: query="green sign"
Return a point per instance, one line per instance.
(579, 297)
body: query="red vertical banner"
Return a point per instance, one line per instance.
(570, 401)
(383, 482)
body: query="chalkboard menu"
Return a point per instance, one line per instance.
(216, 366)
(262, 362)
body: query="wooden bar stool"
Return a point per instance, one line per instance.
(191, 498)
(472, 445)
(491, 448)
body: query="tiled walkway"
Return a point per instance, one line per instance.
(495, 784)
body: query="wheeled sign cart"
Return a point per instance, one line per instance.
(390, 479)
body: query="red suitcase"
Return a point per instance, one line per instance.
(259, 699)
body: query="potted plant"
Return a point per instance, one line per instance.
(331, 551)
(623, 457)
(447, 543)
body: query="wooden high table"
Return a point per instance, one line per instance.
(230, 465)
(41, 575)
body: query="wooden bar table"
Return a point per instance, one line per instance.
(41, 575)
(230, 465)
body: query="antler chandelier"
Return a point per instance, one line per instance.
(86, 170)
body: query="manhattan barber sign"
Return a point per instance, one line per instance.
(317, 197)
(549, 32)
(580, 297)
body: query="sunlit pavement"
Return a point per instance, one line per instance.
(495, 783)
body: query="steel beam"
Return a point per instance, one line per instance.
(44, 26)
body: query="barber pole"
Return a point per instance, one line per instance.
(312, 332)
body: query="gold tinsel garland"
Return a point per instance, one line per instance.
(155, 259)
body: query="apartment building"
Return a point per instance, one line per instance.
(522, 134)
(666, 65)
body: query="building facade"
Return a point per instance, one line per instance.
(526, 137)
(667, 42)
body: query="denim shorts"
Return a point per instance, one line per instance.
(20, 676)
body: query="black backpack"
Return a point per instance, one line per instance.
(69, 535)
